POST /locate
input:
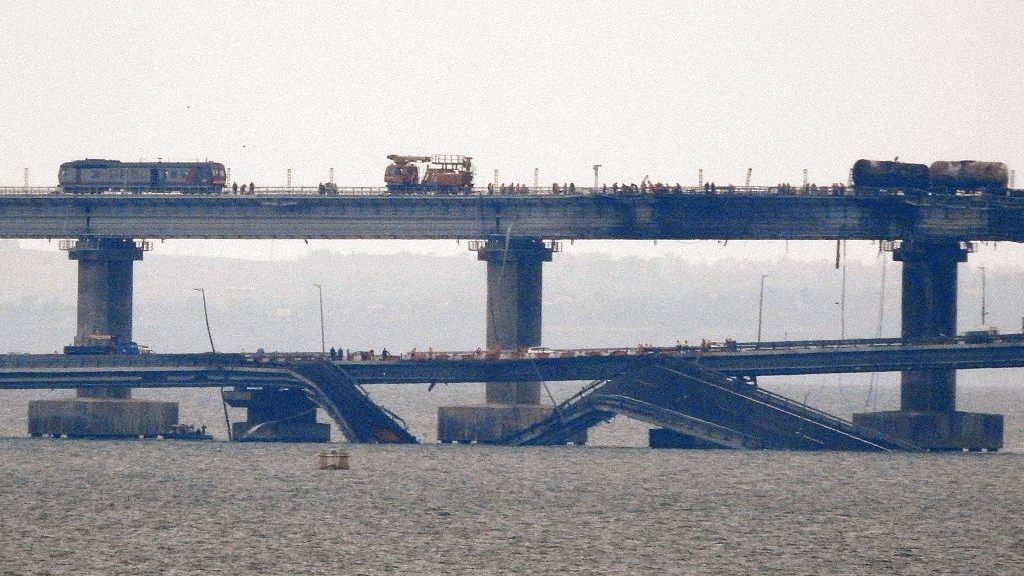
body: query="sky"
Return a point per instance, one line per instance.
(655, 88)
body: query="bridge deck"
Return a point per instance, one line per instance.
(755, 214)
(700, 403)
(768, 359)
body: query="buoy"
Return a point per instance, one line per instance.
(332, 460)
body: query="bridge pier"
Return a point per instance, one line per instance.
(276, 415)
(105, 273)
(928, 416)
(514, 287)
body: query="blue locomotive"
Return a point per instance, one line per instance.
(95, 176)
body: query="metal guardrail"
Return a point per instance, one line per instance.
(481, 355)
(487, 192)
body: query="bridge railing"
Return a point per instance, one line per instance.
(522, 191)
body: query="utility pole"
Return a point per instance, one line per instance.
(760, 307)
(700, 178)
(289, 177)
(597, 180)
(536, 179)
(323, 340)
(206, 315)
(983, 296)
(331, 179)
(26, 177)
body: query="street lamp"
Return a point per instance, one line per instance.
(760, 306)
(982, 295)
(206, 315)
(323, 340)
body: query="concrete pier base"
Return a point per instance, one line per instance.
(101, 418)
(486, 423)
(276, 415)
(665, 438)
(938, 430)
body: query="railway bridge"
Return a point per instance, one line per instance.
(515, 235)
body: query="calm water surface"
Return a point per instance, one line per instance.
(152, 507)
(81, 507)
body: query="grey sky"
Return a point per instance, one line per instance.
(658, 88)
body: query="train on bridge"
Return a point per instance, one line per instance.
(96, 176)
(940, 177)
(452, 175)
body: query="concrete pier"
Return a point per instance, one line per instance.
(276, 415)
(105, 272)
(514, 287)
(927, 414)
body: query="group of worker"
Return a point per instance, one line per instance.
(236, 190)
(835, 189)
(510, 189)
(340, 354)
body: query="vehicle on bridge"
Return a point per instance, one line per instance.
(97, 176)
(110, 347)
(940, 177)
(445, 174)
(981, 334)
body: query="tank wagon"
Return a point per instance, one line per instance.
(940, 177)
(96, 176)
(969, 175)
(445, 174)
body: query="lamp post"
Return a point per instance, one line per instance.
(323, 340)
(983, 296)
(206, 316)
(760, 306)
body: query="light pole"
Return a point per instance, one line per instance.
(323, 340)
(760, 306)
(983, 296)
(206, 316)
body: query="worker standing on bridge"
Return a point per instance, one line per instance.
(334, 353)
(252, 188)
(234, 187)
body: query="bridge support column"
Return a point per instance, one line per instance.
(514, 286)
(276, 415)
(928, 415)
(105, 267)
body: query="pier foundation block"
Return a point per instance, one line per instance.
(276, 415)
(486, 423)
(938, 430)
(101, 418)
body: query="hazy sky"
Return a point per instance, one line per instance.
(658, 88)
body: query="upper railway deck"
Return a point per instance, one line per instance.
(754, 213)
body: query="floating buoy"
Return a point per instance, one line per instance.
(332, 460)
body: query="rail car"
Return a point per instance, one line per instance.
(939, 178)
(97, 176)
(445, 175)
